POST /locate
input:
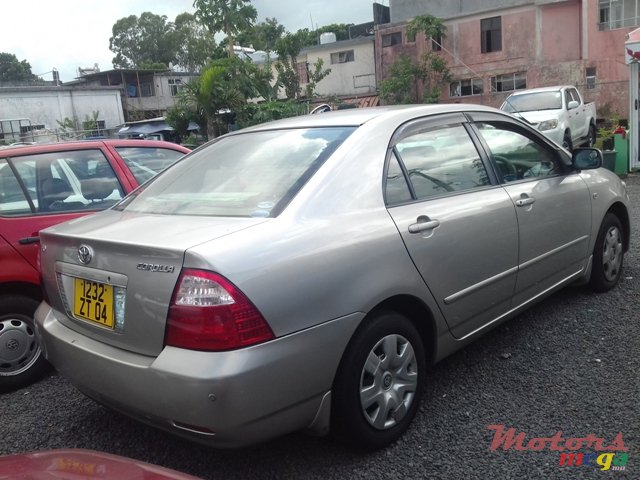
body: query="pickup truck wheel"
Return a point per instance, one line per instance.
(566, 141)
(21, 360)
(591, 136)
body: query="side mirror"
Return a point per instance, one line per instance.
(572, 104)
(586, 158)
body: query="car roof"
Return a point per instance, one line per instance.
(80, 144)
(540, 89)
(359, 116)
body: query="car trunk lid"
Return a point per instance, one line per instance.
(116, 272)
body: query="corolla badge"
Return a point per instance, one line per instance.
(85, 254)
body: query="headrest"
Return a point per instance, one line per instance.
(97, 188)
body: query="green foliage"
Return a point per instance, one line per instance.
(221, 91)
(262, 36)
(145, 40)
(315, 76)
(195, 45)
(227, 16)
(255, 113)
(405, 78)
(431, 26)
(14, 70)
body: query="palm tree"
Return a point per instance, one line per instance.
(228, 16)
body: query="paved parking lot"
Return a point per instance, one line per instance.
(569, 365)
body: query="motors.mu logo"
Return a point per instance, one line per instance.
(606, 456)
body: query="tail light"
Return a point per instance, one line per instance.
(209, 313)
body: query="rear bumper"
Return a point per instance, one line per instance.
(225, 399)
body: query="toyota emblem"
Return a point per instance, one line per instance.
(85, 254)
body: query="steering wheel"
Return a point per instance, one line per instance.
(507, 169)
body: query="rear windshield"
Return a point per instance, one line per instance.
(530, 102)
(248, 175)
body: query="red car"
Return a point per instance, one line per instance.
(41, 185)
(80, 464)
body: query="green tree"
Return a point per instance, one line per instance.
(14, 70)
(288, 49)
(141, 41)
(406, 77)
(262, 36)
(227, 16)
(221, 91)
(195, 45)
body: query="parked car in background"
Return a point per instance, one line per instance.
(81, 464)
(41, 185)
(299, 275)
(558, 112)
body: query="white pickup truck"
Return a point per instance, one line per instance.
(558, 112)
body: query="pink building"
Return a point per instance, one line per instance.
(496, 46)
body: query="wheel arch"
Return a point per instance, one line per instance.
(21, 288)
(620, 211)
(419, 314)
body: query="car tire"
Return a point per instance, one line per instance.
(566, 141)
(21, 360)
(379, 383)
(608, 255)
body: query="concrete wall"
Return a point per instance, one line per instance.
(48, 105)
(552, 41)
(349, 78)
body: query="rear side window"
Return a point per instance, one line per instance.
(442, 160)
(254, 174)
(146, 162)
(57, 182)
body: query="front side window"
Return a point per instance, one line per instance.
(441, 160)
(254, 174)
(58, 182)
(491, 34)
(516, 155)
(146, 162)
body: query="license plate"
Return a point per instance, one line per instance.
(93, 301)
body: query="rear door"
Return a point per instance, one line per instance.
(458, 225)
(553, 206)
(43, 189)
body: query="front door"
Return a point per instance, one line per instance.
(553, 208)
(458, 226)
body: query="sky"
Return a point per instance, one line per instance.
(67, 34)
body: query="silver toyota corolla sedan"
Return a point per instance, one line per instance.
(299, 275)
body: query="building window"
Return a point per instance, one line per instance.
(619, 14)
(591, 77)
(146, 90)
(436, 43)
(466, 88)
(175, 85)
(342, 57)
(30, 128)
(491, 34)
(509, 82)
(392, 39)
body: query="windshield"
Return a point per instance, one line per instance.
(529, 102)
(247, 175)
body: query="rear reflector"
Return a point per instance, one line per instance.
(209, 313)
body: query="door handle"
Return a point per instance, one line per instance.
(423, 224)
(523, 202)
(29, 240)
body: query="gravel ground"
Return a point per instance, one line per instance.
(570, 364)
